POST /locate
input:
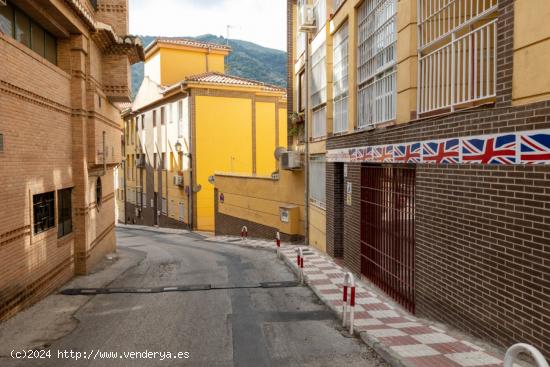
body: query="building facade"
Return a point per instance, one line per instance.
(65, 64)
(438, 155)
(189, 121)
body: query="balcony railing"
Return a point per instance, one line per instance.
(457, 53)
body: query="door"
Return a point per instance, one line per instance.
(388, 231)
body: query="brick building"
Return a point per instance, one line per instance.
(438, 153)
(65, 66)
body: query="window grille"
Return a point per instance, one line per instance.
(319, 123)
(340, 79)
(317, 184)
(320, 10)
(376, 60)
(319, 76)
(457, 57)
(43, 212)
(65, 213)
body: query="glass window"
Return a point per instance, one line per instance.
(37, 39)
(50, 48)
(340, 79)
(65, 213)
(6, 19)
(302, 89)
(43, 212)
(317, 184)
(319, 76)
(22, 28)
(98, 192)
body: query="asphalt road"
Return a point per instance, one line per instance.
(227, 327)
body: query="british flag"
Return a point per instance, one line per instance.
(490, 149)
(535, 147)
(441, 152)
(408, 153)
(361, 154)
(383, 154)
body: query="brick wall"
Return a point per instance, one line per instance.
(335, 217)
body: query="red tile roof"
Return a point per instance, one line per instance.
(224, 79)
(188, 42)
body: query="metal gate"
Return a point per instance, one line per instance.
(387, 230)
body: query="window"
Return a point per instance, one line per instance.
(457, 43)
(180, 119)
(64, 213)
(155, 160)
(155, 118)
(302, 91)
(317, 169)
(162, 116)
(98, 192)
(340, 79)
(1, 143)
(6, 19)
(43, 206)
(320, 10)
(164, 209)
(376, 52)
(172, 162)
(319, 125)
(319, 76)
(301, 37)
(18, 25)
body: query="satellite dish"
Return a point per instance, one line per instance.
(279, 152)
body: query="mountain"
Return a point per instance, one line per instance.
(247, 60)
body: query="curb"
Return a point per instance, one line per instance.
(388, 355)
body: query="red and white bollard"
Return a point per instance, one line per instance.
(244, 233)
(349, 283)
(278, 243)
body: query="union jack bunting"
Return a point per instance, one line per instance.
(490, 149)
(408, 153)
(535, 147)
(361, 154)
(442, 152)
(383, 153)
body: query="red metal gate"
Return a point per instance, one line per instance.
(387, 229)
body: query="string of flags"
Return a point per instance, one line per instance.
(529, 147)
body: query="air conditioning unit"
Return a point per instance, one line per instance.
(291, 160)
(306, 18)
(178, 180)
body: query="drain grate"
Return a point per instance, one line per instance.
(179, 288)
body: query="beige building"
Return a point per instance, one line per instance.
(65, 66)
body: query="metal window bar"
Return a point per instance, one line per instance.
(319, 128)
(340, 120)
(438, 19)
(340, 61)
(320, 10)
(377, 101)
(377, 32)
(460, 72)
(388, 230)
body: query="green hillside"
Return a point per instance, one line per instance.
(247, 60)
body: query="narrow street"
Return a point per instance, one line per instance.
(218, 327)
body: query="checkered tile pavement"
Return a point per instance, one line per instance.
(412, 341)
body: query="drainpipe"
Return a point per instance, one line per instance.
(306, 133)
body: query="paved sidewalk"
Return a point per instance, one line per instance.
(399, 337)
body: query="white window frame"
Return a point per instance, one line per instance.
(320, 10)
(340, 80)
(300, 36)
(376, 62)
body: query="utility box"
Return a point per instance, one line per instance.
(289, 219)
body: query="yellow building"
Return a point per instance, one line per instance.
(190, 120)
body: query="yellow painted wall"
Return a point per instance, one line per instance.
(177, 64)
(317, 228)
(259, 199)
(407, 59)
(266, 135)
(283, 128)
(223, 144)
(531, 52)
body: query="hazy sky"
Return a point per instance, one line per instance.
(259, 21)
